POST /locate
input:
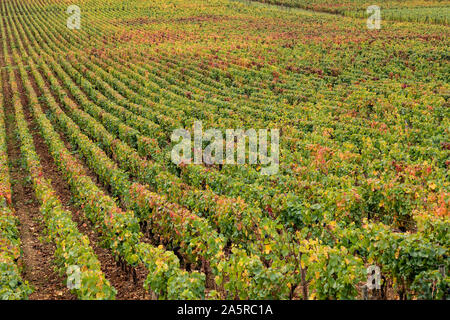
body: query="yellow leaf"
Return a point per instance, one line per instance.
(397, 253)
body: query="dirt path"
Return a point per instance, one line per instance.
(37, 255)
(125, 286)
(37, 258)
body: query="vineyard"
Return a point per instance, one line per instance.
(93, 207)
(425, 11)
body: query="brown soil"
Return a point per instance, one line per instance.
(129, 290)
(126, 288)
(39, 271)
(37, 255)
